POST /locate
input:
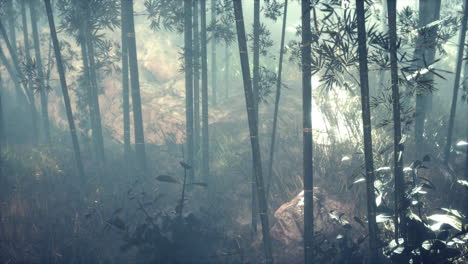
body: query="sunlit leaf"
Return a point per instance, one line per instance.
(453, 212)
(407, 169)
(403, 139)
(362, 179)
(427, 245)
(446, 219)
(382, 218)
(458, 241)
(333, 215)
(414, 216)
(463, 182)
(399, 250)
(378, 200)
(383, 169)
(345, 158)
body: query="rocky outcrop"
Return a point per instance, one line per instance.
(331, 218)
(337, 224)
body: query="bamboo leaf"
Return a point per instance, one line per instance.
(201, 184)
(166, 178)
(445, 219)
(185, 165)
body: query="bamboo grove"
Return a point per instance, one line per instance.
(234, 131)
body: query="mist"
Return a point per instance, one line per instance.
(233, 131)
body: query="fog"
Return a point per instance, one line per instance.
(231, 131)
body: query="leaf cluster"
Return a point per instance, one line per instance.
(166, 14)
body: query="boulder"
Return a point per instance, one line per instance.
(338, 229)
(332, 218)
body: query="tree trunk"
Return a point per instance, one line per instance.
(15, 67)
(12, 31)
(188, 61)
(277, 99)
(2, 122)
(125, 88)
(205, 132)
(256, 52)
(456, 84)
(26, 81)
(367, 129)
(397, 146)
(466, 167)
(89, 93)
(135, 84)
(384, 27)
(196, 86)
(256, 65)
(307, 133)
(253, 129)
(63, 83)
(429, 11)
(465, 88)
(40, 71)
(95, 96)
(226, 69)
(2, 129)
(213, 55)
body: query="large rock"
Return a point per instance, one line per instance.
(331, 218)
(336, 230)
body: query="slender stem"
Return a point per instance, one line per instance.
(63, 82)
(181, 205)
(125, 87)
(397, 145)
(456, 83)
(307, 132)
(367, 129)
(196, 87)
(188, 66)
(140, 148)
(277, 99)
(40, 71)
(205, 131)
(253, 129)
(213, 56)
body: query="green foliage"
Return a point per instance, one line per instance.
(428, 244)
(442, 242)
(265, 41)
(167, 15)
(168, 239)
(273, 9)
(266, 83)
(223, 28)
(34, 163)
(99, 14)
